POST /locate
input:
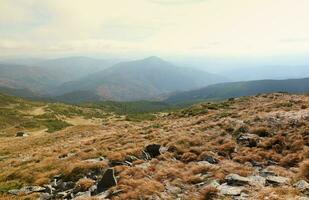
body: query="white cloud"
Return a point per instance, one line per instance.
(196, 27)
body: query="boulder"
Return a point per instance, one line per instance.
(153, 150)
(277, 180)
(236, 180)
(257, 181)
(302, 185)
(21, 134)
(230, 190)
(107, 181)
(248, 140)
(211, 160)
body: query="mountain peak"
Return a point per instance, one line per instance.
(154, 59)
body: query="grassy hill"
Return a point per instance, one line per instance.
(238, 89)
(212, 150)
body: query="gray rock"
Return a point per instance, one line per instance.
(27, 190)
(153, 150)
(230, 190)
(248, 140)
(277, 180)
(302, 185)
(21, 134)
(257, 181)
(45, 196)
(243, 196)
(82, 195)
(64, 195)
(267, 172)
(236, 180)
(211, 160)
(107, 181)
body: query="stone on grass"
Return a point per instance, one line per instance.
(236, 180)
(277, 180)
(302, 185)
(226, 189)
(107, 181)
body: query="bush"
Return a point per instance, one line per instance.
(54, 125)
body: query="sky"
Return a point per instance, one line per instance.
(221, 28)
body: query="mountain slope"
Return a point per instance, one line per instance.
(48, 74)
(236, 89)
(141, 79)
(253, 148)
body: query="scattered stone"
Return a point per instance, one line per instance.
(302, 185)
(173, 189)
(243, 196)
(21, 134)
(27, 190)
(266, 172)
(95, 160)
(45, 196)
(153, 150)
(230, 190)
(64, 195)
(211, 160)
(248, 140)
(108, 180)
(257, 181)
(277, 180)
(236, 180)
(82, 195)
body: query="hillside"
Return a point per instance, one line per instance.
(252, 148)
(45, 75)
(141, 79)
(237, 89)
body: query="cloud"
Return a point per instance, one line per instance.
(197, 27)
(176, 2)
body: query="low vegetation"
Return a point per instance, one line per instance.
(204, 143)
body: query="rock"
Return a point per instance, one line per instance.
(95, 160)
(302, 185)
(82, 195)
(173, 189)
(303, 198)
(266, 172)
(49, 189)
(45, 196)
(243, 196)
(211, 160)
(230, 190)
(107, 181)
(27, 190)
(64, 195)
(277, 180)
(236, 180)
(21, 134)
(153, 150)
(257, 181)
(248, 140)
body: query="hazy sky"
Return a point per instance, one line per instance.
(154, 27)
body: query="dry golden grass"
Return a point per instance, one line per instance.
(37, 158)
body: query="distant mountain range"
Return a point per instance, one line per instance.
(80, 79)
(45, 75)
(140, 79)
(237, 89)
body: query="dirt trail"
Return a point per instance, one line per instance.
(82, 121)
